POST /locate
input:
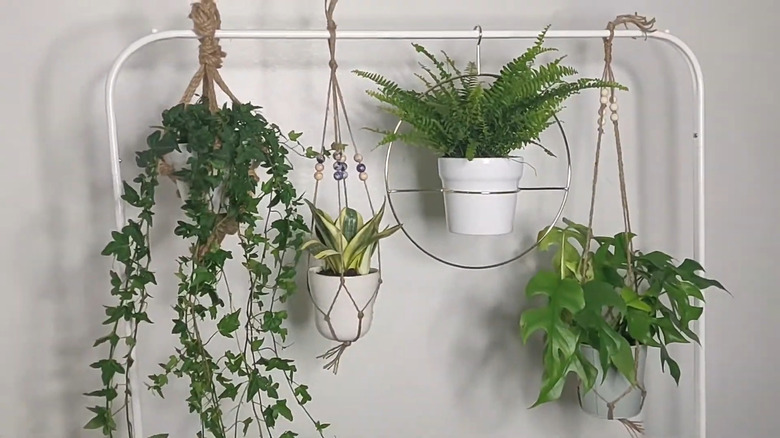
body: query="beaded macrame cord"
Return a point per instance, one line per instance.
(335, 111)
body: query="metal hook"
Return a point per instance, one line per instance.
(479, 44)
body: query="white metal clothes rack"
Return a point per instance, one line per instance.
(663, 36)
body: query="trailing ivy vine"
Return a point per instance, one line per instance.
(245, 386)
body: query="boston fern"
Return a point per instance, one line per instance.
(460, 116)
(243, 387)
(593, 301)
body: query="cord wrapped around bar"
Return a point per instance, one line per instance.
(345, 289)
(608, 101)
(206, 21)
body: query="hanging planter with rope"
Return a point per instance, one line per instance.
(213, 154)
(345, 288)
(607, 303)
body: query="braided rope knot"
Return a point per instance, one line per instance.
(206, 19)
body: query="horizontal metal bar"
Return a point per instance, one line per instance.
(480, 192)
(257, 34)
(540, 189)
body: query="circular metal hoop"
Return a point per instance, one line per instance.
(565, 189)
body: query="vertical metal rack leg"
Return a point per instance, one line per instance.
(697, 134)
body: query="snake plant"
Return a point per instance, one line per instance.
(347, 243)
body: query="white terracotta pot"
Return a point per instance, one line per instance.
(615, 398)
(338, 307)
(480, 214)
(178, 160)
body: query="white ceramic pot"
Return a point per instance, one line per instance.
(480, 214)
(343, 312)
(178, 160)
(615, 398)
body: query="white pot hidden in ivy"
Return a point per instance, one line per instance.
(491, 212)
(344, 290)
(178, 161)
(614, 398)
(344, 306)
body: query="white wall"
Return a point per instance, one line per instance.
(443, 358)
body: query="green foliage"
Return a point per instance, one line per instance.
(227, 149)
(347, 243)
(460, 116)
(593, 301)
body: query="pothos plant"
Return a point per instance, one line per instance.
(592, 299)
(459, 115)
(253, 377)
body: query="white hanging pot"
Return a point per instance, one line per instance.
(480, 214)
(343, 311)
(178, 161)
(614, 398)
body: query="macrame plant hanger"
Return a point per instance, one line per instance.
(206, 20)
(609, 102)
(335, 111)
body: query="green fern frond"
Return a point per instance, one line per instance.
(443, 72)
(459, 115)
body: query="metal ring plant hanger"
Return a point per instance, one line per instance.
(565, 189)
(335, 111)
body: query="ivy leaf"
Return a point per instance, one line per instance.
(107, 393)
(109, 368)
(160, 435)
(112, 338)
(103, 419)
(130, 195)
(321, 426)
(254, 386)
(302, 393)
(247, 422)
(281, 408)
(96, 422)
(229, 324)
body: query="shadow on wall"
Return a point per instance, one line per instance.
(74, 168)
(494, 376)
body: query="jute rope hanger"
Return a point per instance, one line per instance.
(609, 100)
(335, 110)
(206, 21)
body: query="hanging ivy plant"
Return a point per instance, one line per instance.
(226, 150)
